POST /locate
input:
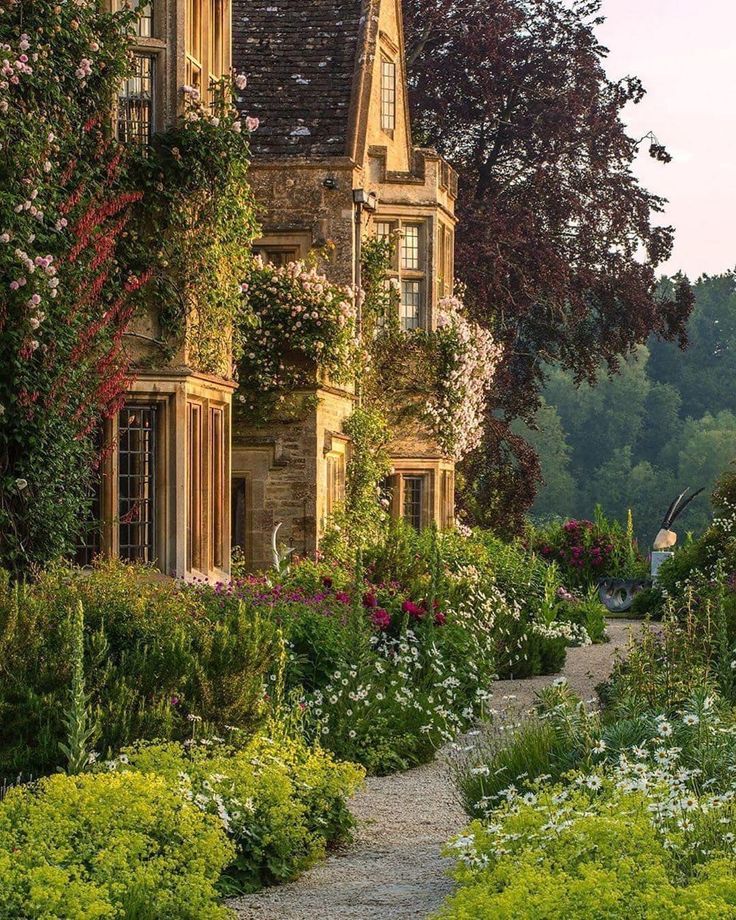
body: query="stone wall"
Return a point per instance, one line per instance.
(283, 463)
(313, 197)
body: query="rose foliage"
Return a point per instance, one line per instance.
(66, 297)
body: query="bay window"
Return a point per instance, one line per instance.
(409, 268)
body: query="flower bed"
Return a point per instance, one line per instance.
(627, 812)
(643, 805)
(586, 551)
(392, 665)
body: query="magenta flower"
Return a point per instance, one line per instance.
(414, 610)
(381, 618)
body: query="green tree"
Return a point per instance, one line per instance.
(549, 440)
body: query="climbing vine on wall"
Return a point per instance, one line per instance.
(66, 293)
(198, 220)
(438, 377)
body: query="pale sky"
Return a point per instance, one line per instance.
(684, 51)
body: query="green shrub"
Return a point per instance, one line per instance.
(156, 652)
(647, 603)
(108, 846)
(586, 551)
(662, 671)
(631, 840)
(586, 611)
(280, 802)
(609, 863)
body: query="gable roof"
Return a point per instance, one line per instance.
(301, 58)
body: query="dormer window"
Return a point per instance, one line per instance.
(388, 95)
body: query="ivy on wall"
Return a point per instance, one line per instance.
(197, 220)
(91, 235)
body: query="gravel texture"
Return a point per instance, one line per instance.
(393, 869)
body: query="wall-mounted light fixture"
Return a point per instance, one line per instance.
(330, 182)
(368, 201)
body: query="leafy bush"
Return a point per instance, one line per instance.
(585, 551)
(586, 611)
(587, 854)
(109, 846)
(279, 801)
(517, 592)
(156, 653)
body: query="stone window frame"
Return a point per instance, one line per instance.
(445, 260)
(335, 477)
(109, 503)
(152, 47)
(394, 227)
(206, 514)
(396, 487)
(195, 517)
(388, 93)
(194, 44)
(272, 247)
(447, 498)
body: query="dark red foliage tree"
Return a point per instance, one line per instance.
(557, 241)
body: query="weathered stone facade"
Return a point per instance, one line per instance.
(334, 162)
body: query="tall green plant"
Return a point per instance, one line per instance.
(77, 720)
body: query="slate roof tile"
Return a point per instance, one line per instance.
(300, 60)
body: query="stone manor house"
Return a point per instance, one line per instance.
(333, 162)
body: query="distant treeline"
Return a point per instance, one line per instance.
(636, 439)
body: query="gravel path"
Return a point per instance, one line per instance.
(393, 869)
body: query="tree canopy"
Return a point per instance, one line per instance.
(665, 422)
(558, 242)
